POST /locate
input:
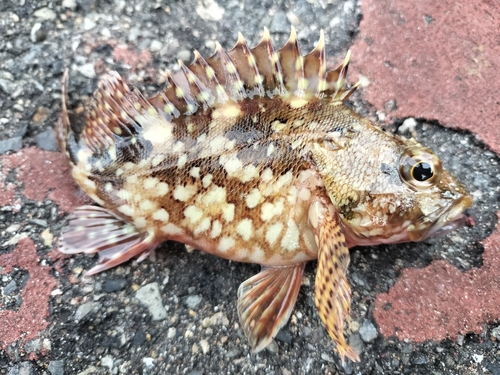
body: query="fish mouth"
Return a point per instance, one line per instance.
(441, 221)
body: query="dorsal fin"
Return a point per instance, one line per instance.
(335, 80)
(258, 72)
(292, 65)
(106, 116)
(244, 61)
(268, 64)
(114, 113)
(315, 67)
(226, 73)
(226, 76)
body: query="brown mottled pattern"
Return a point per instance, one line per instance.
(242, 174)
(251, 155)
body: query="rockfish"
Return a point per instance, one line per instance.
(251, 155)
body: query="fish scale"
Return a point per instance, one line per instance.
(251, 155)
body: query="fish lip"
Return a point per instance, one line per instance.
(446, 220)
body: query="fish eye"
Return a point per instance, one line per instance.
(419, 167)
(422, 171)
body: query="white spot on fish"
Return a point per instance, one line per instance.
(161, 189)
(269, 210)
(270, 149)
(244, 229)
(147, 205)
(216, 195)
(273, 233)
(253, 198)
(217, 144)
(202, 227)
(171, 229)
(305, 194)
(157, 131)
(195, 172)
(178, 147)
(267, 175)
(216, 229)
(193, 214)
(131, 179)
(184, 193)
(181, 162)
(249, 173)
(140, 222)
(228, 212)
(284, 180)
(157, 160)
(225, 244)
(207, 180)
(231, 164)
(123, 194)
(150, 182)
(290, 240)
(161, 215)
(126, 210)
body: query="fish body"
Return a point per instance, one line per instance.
(251, 155)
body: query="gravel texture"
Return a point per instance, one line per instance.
(175, 313)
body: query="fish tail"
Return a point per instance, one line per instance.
(92, 229)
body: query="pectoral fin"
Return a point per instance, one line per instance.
(332, 290)
(265, 302)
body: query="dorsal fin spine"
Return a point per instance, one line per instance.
(212, 82)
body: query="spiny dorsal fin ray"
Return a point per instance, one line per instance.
(227, 73)
(195, 87)
(117, 111)
(268, 64)
(63, 126)
(245, 63)
(335, 80)
(206, 76)
(292, 65)
(178, 92)
(315, 67)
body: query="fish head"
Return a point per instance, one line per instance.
(392, 189)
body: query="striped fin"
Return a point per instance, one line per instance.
(332, 293)
(92, 229)
(265, 302)
(112, 113)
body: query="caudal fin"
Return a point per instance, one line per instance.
(92, 229)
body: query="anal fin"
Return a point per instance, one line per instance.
(92, 229)
(265, 302)
(332, 290)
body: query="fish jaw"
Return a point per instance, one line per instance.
(443, 221)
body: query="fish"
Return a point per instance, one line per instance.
(252, 155)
